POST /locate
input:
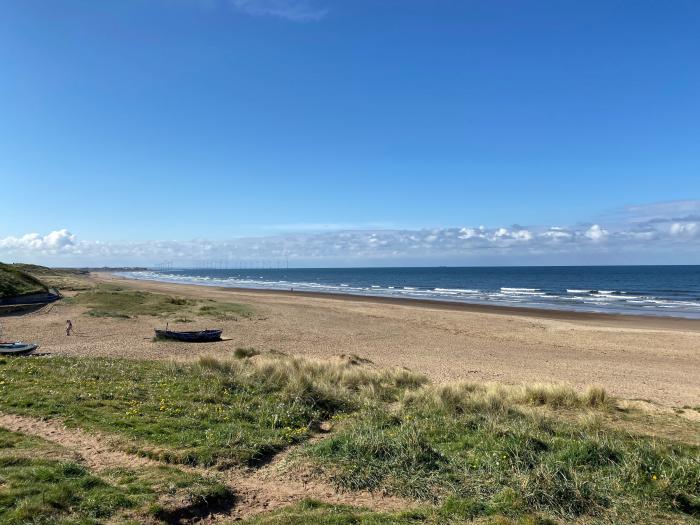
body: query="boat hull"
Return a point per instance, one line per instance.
(14, 349)
(202, 336)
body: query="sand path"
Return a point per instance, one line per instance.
(264, 489)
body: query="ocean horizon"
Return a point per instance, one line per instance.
(654, 290)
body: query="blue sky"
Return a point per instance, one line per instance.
(136, 122)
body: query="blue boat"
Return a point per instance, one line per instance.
(201, 336)
(17, 348)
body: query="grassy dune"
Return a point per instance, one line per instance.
(115, 301)
(15, 281)
(495, 450)
(466, 452)
(61, 278)
(234, 413)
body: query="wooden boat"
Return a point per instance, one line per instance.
(17, 348)
(202, 336)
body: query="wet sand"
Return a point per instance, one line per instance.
(634, 357)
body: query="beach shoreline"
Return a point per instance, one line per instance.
(654, 291)
(656, 360)
(651, 321)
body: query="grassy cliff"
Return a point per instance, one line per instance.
(61, 278)
(15, 281)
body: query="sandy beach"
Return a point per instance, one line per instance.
(644, 358)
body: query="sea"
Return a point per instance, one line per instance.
(642, 290)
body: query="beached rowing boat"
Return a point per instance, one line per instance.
(17, 348)
(201, 336)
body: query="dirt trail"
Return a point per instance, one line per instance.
(264, 489)
(95, 452)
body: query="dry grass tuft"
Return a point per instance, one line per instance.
(495, 397)
(343, 380)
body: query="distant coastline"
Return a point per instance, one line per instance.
(673, 292)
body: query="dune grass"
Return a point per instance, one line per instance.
(236, 412)
(42, 484)
(108, 300)
(499, 450)
(14, 281)
(61, 278)
(467, 452)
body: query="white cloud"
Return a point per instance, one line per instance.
(470, 233)
(596, 233)
(687, 229)
(55, 241)
(522, 235)
(294, 10)
(509, 245)
(557, 233)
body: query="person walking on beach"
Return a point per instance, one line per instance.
(69, 327)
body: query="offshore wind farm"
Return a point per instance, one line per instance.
(667, 291)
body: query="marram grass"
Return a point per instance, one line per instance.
(464, 452)
(227, 412)
(513, 450)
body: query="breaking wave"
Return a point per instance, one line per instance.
(389, 283)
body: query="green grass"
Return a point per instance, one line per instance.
(124, 303)
(61, 278)
(14, 281)
(320, 514)
(509, 451)
(221, 310)
(41, 484)
(238, 412)
(168, 494)
(451, 513)
(483, 453)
